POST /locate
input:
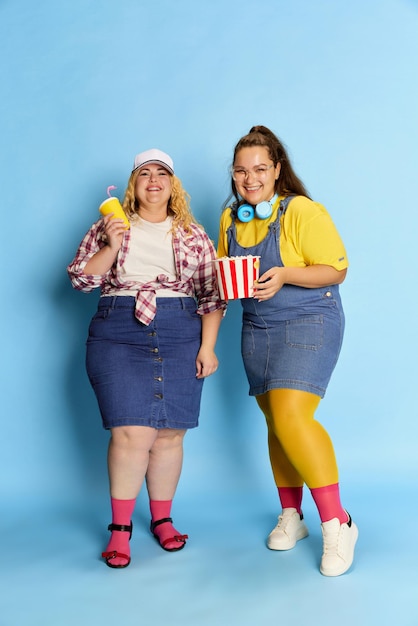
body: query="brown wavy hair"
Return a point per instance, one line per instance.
(178, 204)
(288, 182)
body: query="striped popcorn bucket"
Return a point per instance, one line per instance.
(236, 276)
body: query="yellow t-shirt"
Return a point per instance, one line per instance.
(308, 235)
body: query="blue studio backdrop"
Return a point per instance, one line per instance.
(85, 86)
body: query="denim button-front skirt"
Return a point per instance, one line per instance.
(145, 375)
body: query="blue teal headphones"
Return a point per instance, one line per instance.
(263, 210)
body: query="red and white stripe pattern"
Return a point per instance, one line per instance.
(236, 276)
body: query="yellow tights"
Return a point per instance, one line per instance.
(300, 449)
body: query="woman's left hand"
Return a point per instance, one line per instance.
(269, 283)
(206, 363)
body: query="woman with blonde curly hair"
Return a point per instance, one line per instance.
(151, 342)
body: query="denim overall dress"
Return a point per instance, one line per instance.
(292, 340)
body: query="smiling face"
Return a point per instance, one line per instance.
(153, 188)
(254, 174)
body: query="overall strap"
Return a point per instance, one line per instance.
(284, 204)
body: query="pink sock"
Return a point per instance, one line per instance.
(291, 497)
(160, 509)
(119, 540)
(327, 500)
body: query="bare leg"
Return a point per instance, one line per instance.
(128, 459)
(164, 469)
(165, 464)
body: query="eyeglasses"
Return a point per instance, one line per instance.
(260, 171)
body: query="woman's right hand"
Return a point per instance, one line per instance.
(114, 229)
(102, 261)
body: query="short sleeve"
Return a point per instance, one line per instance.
(225, 223)
(310, 237)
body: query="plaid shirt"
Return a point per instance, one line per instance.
(193, 257)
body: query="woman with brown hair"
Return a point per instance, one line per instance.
(292, 333)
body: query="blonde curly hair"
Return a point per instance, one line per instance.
(178, 204)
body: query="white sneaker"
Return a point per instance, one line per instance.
(339, 541)
(288, 531)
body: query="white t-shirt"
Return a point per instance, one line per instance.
(150, 254)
